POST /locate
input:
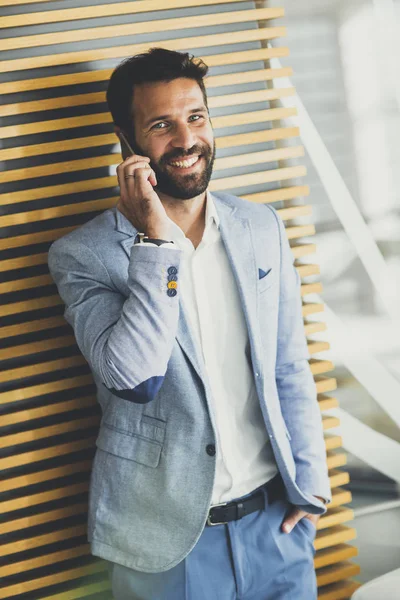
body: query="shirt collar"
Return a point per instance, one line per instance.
(211, 218)
(211, 211)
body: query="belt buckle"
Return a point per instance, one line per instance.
(219, 523)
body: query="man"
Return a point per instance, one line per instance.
(187, 308)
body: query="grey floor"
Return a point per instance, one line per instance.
(378, 533)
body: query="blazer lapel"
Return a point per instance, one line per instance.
(237, 235)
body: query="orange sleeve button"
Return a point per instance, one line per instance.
(172, 285)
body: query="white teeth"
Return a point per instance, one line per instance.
(184, 164)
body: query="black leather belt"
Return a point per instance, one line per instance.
(220, 514)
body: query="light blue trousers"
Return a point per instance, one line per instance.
(248, 559)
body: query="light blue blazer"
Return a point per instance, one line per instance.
(152, 478)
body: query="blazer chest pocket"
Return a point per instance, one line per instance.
(267, 281)
(134, 447)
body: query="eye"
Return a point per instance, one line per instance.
(159, 125)
(195, 117)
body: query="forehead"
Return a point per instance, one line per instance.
(165, 97)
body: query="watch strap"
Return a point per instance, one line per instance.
(141, 239)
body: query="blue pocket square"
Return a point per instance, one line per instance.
(262, 274)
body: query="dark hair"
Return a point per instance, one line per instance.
(158, 64)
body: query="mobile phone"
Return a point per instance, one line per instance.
(126, 149)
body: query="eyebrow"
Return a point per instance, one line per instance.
(165, 117)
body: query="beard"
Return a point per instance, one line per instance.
(180, 185)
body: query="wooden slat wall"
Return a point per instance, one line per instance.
(59, 152)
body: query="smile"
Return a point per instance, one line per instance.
(185, 164)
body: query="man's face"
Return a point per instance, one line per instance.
(173, 129)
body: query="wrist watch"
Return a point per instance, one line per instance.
(141, 238)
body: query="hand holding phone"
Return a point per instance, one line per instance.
(138, 201)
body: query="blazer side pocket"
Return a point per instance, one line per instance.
(132, 447)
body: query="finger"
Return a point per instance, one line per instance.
(135, 158)
(292, 519)
(126, 177)
(153, 178)
(133, 167)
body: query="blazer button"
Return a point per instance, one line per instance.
(210, 450)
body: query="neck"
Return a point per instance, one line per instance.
(189, 215)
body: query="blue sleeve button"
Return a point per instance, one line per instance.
(172, 277)
(172, 270)
(171, 292)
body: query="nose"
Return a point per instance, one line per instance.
(183, 136)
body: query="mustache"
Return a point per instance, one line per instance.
(181, 153)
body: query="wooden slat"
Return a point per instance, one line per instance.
(308, 269)
(21, 263)
(35, 347)
(55, 578)
(310, 308)
(338, 478)
(46, 475)
(220, 39)
(219, 101)
(311, 288)
(44, 411)
(43, 497)
(213, 81)
(335, 516)
(244, 118)
(40, 519)
(45, 453)
(337, 591)
(315, 347)
(8, 331)
(82, 592)
(41, 433)
(333, 441)
(25, 284)
(106, 10)
(329, 556)
(284, 193)
(315, 327)
(256, 178)
(28, 239)
(131, 29)
(28, 305)
(58, 212)
(319, 366)
(300, 250)
(333, 536)
(28, 85)
(41, 540)
(336, 459)
(325, 384)
(326, 402)
(43, 560)
(106, 139)
(114, 159)
(297, 231)
(330, 422)
(42, 389)
(17, 2)
(335, 573)
(38, 369)
(340, 496)
(292, 212)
